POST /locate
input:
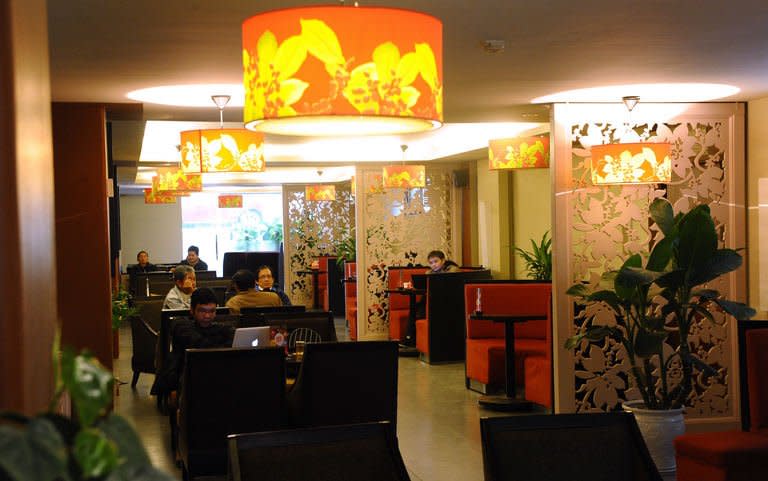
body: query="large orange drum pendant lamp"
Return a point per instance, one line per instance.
(342, 70)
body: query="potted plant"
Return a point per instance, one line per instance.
(94, 444)
(122, 309)
(345, 249)
(538, 261)
(655, 307)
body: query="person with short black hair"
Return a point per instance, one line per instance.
(266, 283)
(179, 296)
(439, 264)
(199, 332)
(193, 259)
(247, 295)
(143, 266)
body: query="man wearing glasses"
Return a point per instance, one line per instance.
(266, 282)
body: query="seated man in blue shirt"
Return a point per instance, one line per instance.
(266, 282)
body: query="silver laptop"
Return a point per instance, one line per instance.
(251, 337)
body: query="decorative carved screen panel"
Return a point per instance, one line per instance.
(398, 228)
(313, 228)
(599, 227)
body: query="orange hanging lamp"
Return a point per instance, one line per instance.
(176, 182)
(342, 70)
(519, 153)
(152, 197)
(631, 162)
(222, 150)
(320, 192)
(404, 176)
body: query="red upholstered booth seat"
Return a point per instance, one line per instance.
(485, 341)
(322, 280)
(733, 455)
(399, 304)
(350, 298)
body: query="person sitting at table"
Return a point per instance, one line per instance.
(143, 265)
(193, 259)
(199, 332)
(247, 296)
(439, 264)
(179, 296)
(266, 283)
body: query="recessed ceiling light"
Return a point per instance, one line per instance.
(661, 92)
(197, 95)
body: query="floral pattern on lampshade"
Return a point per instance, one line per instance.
(403, 176)
(519, 153)
(222, 150)
(230, 201)
(331, 60)
(176, 181)
(632, 163)
(320, 192)
(152, 197)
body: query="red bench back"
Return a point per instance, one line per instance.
(498, 298)
(395, 278)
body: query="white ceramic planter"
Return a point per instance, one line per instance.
(659, 429)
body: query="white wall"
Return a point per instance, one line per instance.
(153, 228)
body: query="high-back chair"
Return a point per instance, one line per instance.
(344, 383)
(331, 453)
(144, 335)
(227, 391)
(576, 447)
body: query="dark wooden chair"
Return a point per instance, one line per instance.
(331, 453)
(223, 392)
(440, 337)
(345, 383)
(576, 447)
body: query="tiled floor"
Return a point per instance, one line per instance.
(438, 419)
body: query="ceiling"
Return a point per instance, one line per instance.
(101, 50)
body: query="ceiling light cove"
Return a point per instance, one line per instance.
(660, 92)
(193, 95)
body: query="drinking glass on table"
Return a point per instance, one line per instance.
(299, 350)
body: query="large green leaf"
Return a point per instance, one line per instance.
(633, 277)
(738, 310)
(661, 212)
(660, 255)
(121, 433)
(648, 343)
(33, 452)
(625, 285)
(89, 384)
(671, 279)
(95, 453)
(721, 262)
(698, 239)
(593, 333)
(578, 290)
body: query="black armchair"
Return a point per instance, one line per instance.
(345, 383)
(331, 453)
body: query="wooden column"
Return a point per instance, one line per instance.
(27, 279)
(82, 227)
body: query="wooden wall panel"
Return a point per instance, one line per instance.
(82, 227)
(28, 317)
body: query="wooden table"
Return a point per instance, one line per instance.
(315, 273)
(411, 293)
(509, 401)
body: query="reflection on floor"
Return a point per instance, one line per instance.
(438, 418)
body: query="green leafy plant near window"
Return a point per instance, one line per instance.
(121, 308)
(538, 261)
(346, 248)
(658, 304)
(274, 232)
(93, 445)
